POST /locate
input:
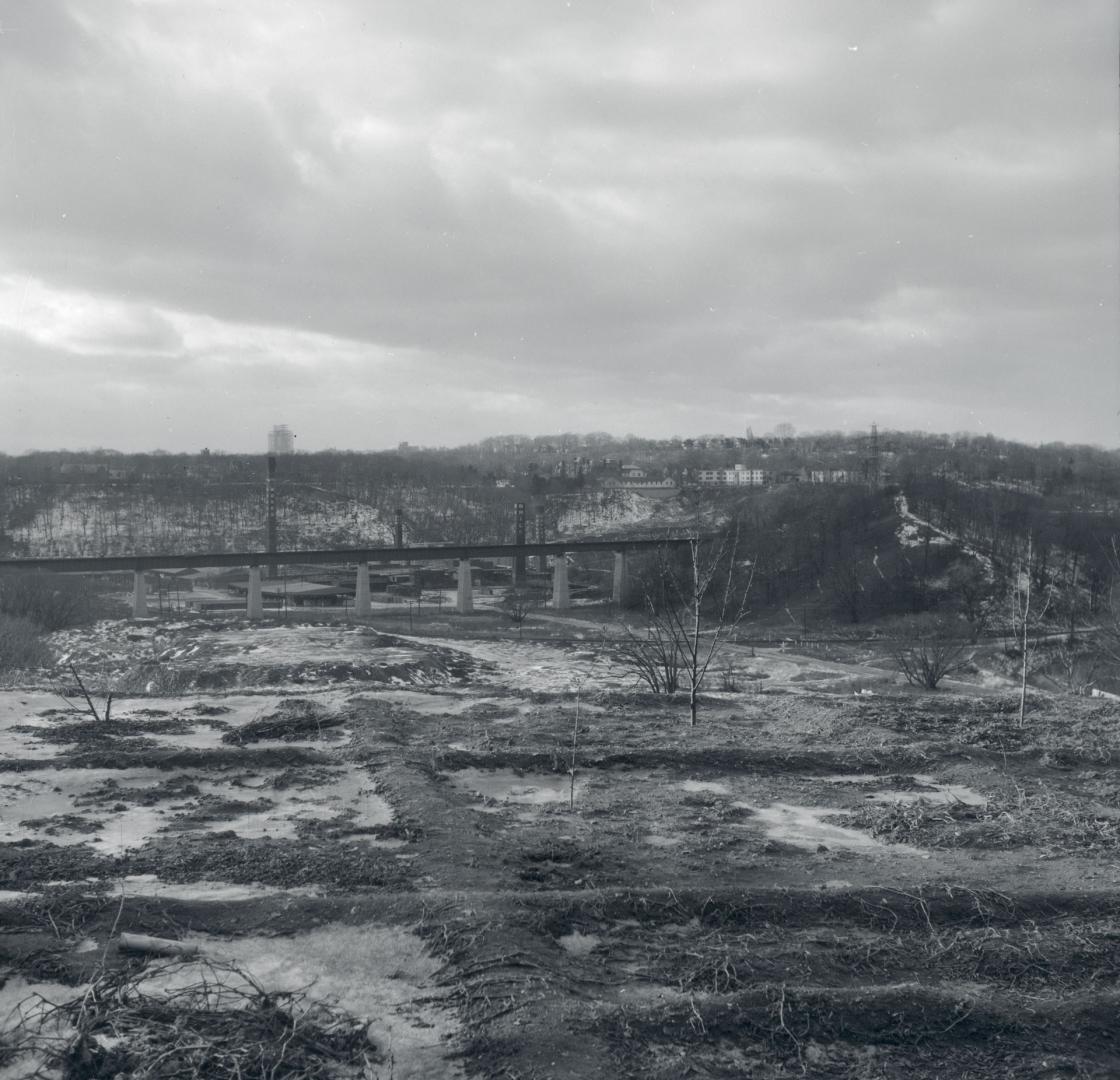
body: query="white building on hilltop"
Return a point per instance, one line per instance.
(281, 440)
(739, 476)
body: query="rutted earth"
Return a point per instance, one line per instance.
(487, 882)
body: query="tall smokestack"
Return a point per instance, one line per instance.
(270, 506)
(519, 538)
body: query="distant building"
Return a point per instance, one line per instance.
(281, 440)
(832, 476)
(738, 476)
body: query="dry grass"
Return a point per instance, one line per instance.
(1021, 817)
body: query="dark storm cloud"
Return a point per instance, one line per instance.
(690, 216)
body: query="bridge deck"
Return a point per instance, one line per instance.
(333, 556)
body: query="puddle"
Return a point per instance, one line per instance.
(578, 944)
(934, 791)
(511, 788)
(805, 827)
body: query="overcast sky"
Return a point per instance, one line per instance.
(432, 220)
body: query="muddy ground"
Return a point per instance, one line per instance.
(818, 880)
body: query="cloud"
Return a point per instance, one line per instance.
(711, 208)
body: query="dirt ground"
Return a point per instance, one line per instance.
(463, 856)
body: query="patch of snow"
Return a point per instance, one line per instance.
(148, 885)
(509, 787)
(379, 974)
(603, 510)
(805, 827)
(579, 944)
(908, 535)
(712, 786)
(938, 793)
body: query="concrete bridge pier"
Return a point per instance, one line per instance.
(618, 581)
(361, 591)
(464, 599)
(139, 595)
(255, 606)
(560, 599)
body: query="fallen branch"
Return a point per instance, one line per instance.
(158, 946)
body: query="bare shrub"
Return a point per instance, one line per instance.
(930, 647)
(54, 601)
(516, 606)
(693, 604)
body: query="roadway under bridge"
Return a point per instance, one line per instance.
(361, 558)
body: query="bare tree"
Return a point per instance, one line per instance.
(1077, 663)
(516, 606)
(931, 647)
(973, 589)
(1027, 613)
(691, 611)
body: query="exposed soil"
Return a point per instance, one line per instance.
(878, 885)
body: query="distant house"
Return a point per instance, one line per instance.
(644, 483)
(832, 476)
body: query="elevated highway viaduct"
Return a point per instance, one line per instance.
(361, 557)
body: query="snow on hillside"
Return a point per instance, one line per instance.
(90, 522)
(910, 530)
(600, 511)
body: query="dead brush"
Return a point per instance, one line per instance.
(223, 1026)
(64, 908)
(1022, 817)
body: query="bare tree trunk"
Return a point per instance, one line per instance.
(1026, 602)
